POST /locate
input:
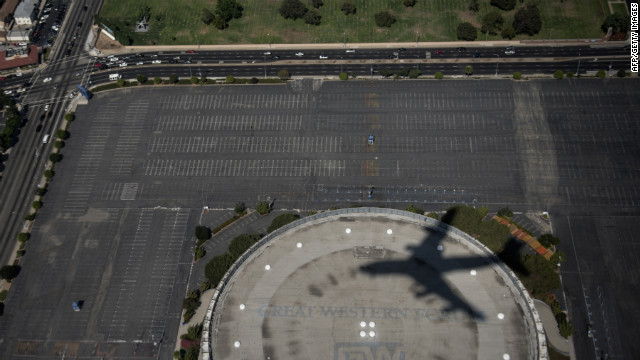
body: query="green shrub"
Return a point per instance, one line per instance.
(468, 219)
(217, 267)
(70, 116)
(62, 134)
(120, 82)
(558, 257)
(565, 327)
(194, 80)
(433, 215)
(505, 212)
(20, 252)
(204, 286)
(157, 80)
(438, 75)
(517, 75)
(41, 191)
(141, 79)
(263, 208)
(3, 295)
(198, 253)
(284, 74)
(55, 157)
(282, 220)
(239, 208)
(559, 74)
(385, 73)
(194, 332)
(601, 74)
(570, 74)
(539, 275)
(253, 80)
(30, 217)
(343, 76)
(173, 78)
(230, 79)
(202, 233)
(59, 144)
(413, 74)
(621, 73)
(415, 209)
(9, 272)
(23, 237)
(548, 240)
(36, 204)
(241, 243)
(48, 174)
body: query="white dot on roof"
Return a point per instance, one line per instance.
(236, 344)
(363, 333)
(267, 267)
(348, 231)
(372, 333)
(389, 231)
(372, 324)
(500, 316)
(473, 272)
(242, 306)
(299, 245)
(363, 324)
(506, 356)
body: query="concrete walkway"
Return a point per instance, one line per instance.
(560, 344)
(198, 318)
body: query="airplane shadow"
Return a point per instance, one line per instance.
(427, 266)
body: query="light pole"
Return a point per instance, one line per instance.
(578, 68)
(497, 62)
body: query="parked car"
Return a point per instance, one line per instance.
(323, 56)
(156, 62)
(46, 80)
(190, 51)
(350, 50)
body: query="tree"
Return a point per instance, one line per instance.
(438, 75)
(317, 3)
(505, 212)
(254, 80)
(409, 3)
(617, 22)
(203, 80)
(343, 76)
(466, 32)
(527, 20)
(517, 75)
(284, 74)
(385, 73)
(474, 5)
(263, 208)
(192, 353)
(348, 8)
(220, 23)
(415, 209)
(601, 74)
(242, 243)
(194, 80)
(55, 157)
(9, 272)
(548, 240)
(207, 16)
(559, 74)
(230, 79)
(173, 79)
(202, 233)
(157, 80)
(312, 17)
(292, 9)
(198, 253)
(492, 23)
(70, 116)
(229, 9)
(468, 70)
(413, 74)
(48, 174)
(120, 82)
(384, 19)
(23, 237)
(59, 144)
(622, 73)
(239, 208)
(508, 32)
(141, 79)
(282, 220)
(62, 134)
(504, 4)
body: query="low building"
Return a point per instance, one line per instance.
(10, 59)
(25, 13)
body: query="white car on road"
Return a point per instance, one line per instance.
(46, 80)
(299, 54)
(323, 56)
(156, 62)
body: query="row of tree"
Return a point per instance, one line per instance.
(225, 11)
(526, 20)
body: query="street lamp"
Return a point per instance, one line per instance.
(497, 62)
(578, 68)
(416, 39)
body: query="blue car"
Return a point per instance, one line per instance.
(371, 138)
